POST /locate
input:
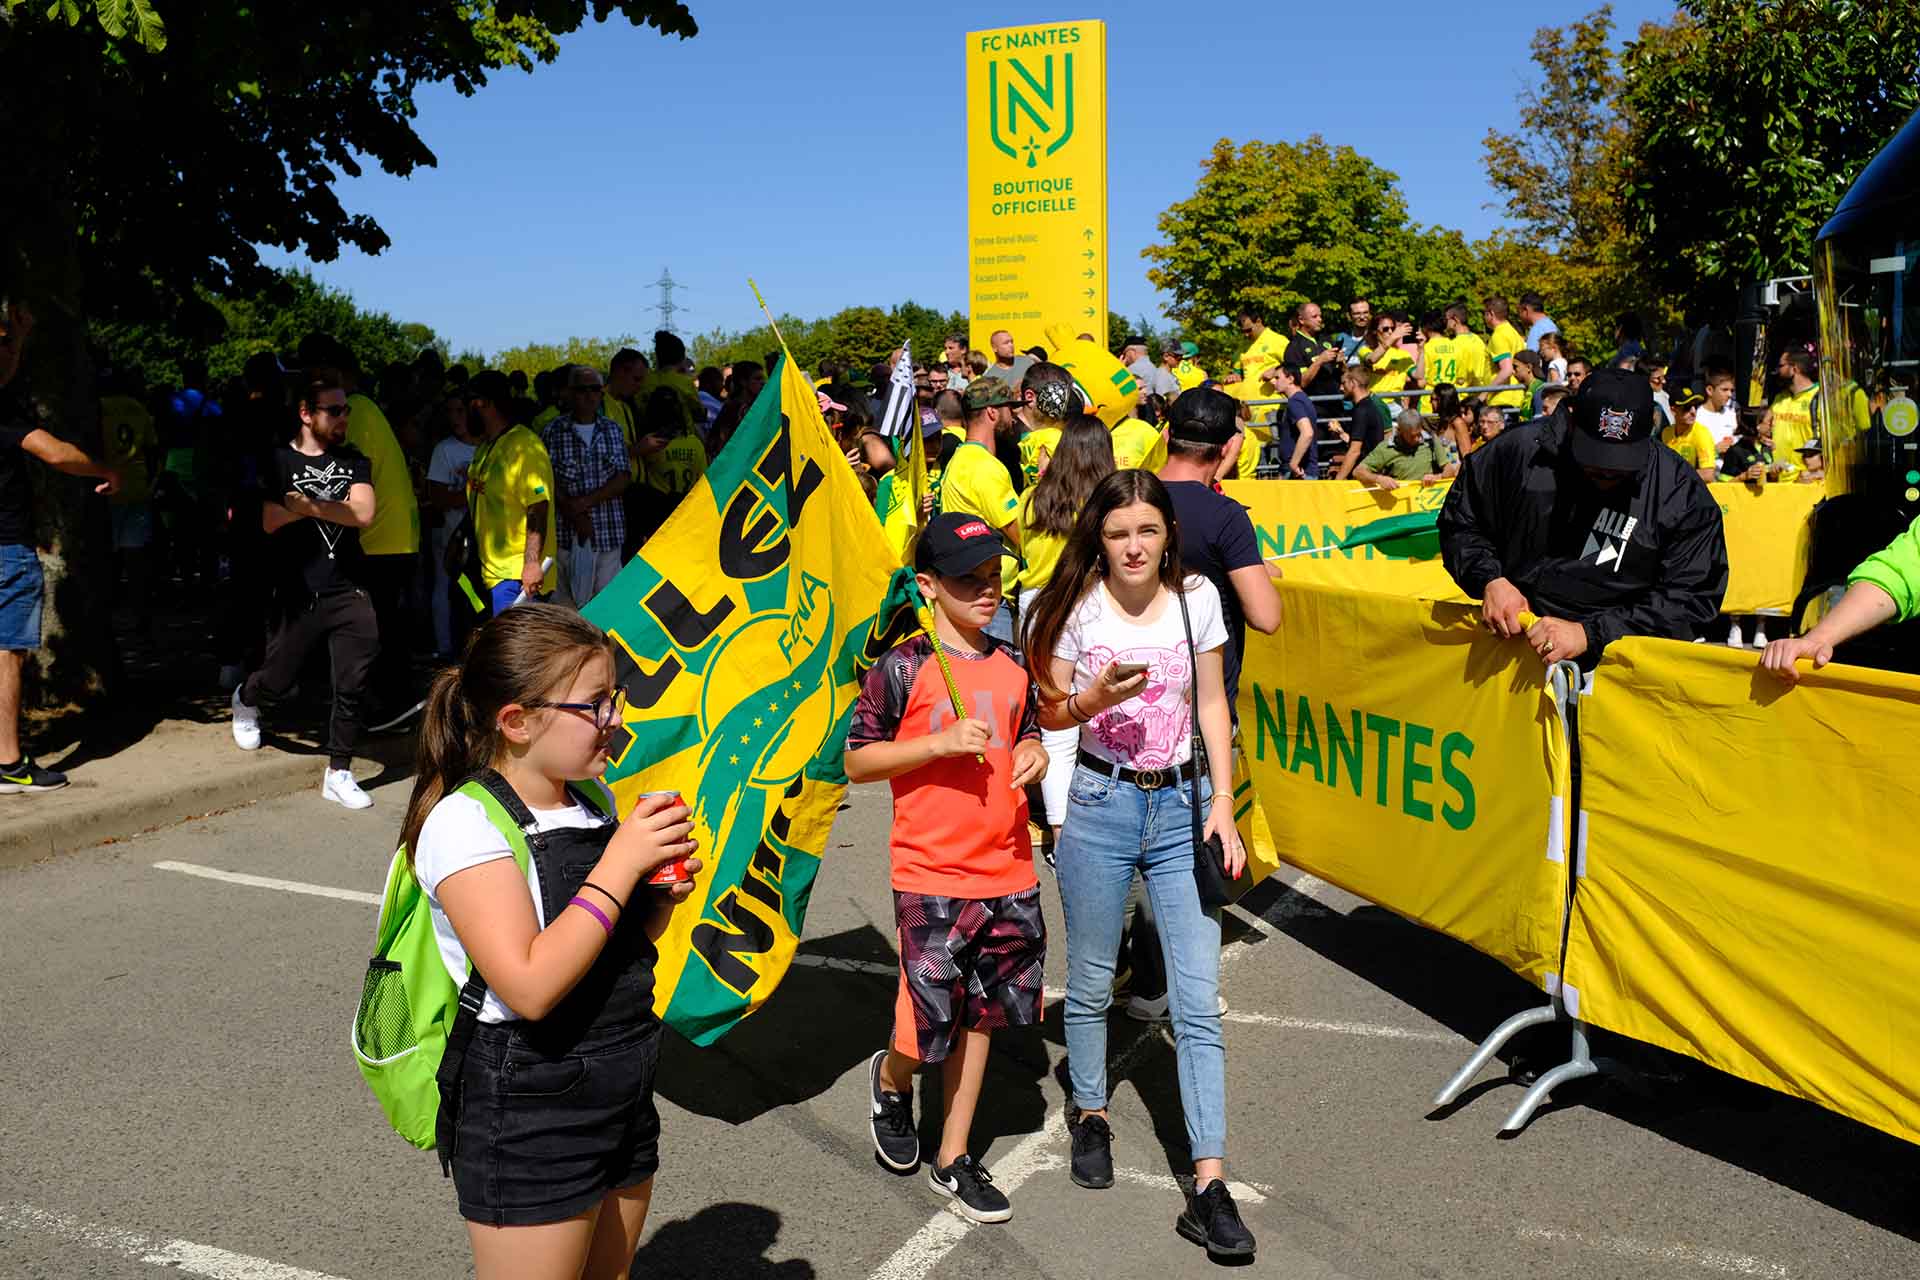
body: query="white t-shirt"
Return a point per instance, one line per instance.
(1722, 424)
(1556, 368)
(457, 835)
(449, 463)
(1152, 729)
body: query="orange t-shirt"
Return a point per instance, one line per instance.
(959, 826)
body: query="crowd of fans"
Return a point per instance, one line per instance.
(488, 487)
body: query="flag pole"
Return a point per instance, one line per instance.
(771, 322)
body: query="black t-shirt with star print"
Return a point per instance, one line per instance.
(316, 557)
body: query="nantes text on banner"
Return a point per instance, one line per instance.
(1404, 753)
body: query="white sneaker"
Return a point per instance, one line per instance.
(1154, 1009)
(246, 722)
(1735, 639)
(1759, 634)
(339, 787)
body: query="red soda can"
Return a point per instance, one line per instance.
(676, 871)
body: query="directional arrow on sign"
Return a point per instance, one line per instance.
(1087, 232)
(1089, 293)
(1086, 253)
(1088, 313)
(1088, 273)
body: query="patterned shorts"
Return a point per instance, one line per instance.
(965, 962)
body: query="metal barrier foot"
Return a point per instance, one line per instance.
(1491, 1045)
(1578, 1066)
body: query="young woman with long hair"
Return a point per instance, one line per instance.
(1108, 643)
(1081, 460)
(556, 1138)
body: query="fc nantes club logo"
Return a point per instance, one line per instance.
(1030, 105)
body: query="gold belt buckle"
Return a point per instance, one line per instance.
(1149, 779)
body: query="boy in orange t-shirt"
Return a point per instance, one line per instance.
(965, 898)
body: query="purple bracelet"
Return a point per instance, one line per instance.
(595, 912)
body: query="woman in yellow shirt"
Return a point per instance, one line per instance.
(1048, 511)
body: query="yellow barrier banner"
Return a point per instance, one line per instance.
(1767, 532)
(1292, 516)
(1751, 895)
(1400, 751)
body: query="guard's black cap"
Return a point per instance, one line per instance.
(956, 543)
(1613, 420)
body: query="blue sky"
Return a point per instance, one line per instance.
(819, 147)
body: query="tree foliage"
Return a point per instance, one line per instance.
(1561, 177)
(1746, 122)
(274, 319)
(145, 162)
(174, 158)
(538, 357)
(855, 336)
(1271, 225)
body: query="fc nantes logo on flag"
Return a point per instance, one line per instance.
(739, 629)
(1030, 104)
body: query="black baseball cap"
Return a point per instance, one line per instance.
(1204, 415)
(956, 543)
(1613, 420)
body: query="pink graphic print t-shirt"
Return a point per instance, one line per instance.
(1153, 729)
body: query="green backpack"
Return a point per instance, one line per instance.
(413, 1018)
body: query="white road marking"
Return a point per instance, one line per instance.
(1722, 1260)
(182, 1255)
(268, 882)
(1369, 1029)
(847, 965)
(1244, 1192)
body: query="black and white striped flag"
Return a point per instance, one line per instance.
(901, 417)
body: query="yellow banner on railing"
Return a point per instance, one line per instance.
(1403, 753)
(1751, 894)
(1766, 537)
(1304, 515)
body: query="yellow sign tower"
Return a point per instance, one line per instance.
(1037, 181)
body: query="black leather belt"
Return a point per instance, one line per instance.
(1145, 779)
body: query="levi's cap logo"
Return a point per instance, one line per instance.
(972, 529)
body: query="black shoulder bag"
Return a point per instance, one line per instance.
(1209, 853)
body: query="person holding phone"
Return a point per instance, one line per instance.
(1108, 643)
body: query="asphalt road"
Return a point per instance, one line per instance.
(180, 1098)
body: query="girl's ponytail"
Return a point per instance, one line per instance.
(451, 748)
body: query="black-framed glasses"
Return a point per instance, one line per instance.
(340, 410)
(606, 712)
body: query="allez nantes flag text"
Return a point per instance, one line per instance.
(739, 630)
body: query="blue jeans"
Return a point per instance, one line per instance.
(1114, 829)
(21, 589)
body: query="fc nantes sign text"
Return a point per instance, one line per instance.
(1037, 180)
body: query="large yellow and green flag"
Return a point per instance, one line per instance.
(741, 629)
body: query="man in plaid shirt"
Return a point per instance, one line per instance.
(590, 471)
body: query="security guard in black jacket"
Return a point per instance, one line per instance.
(1586, 521)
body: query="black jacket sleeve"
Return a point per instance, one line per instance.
(1693, 581)
(1467, 544)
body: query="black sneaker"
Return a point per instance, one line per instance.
(890, 1116)
(29, 779)
(972, 1190)
(1212, 1220)
(1092, 1139)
